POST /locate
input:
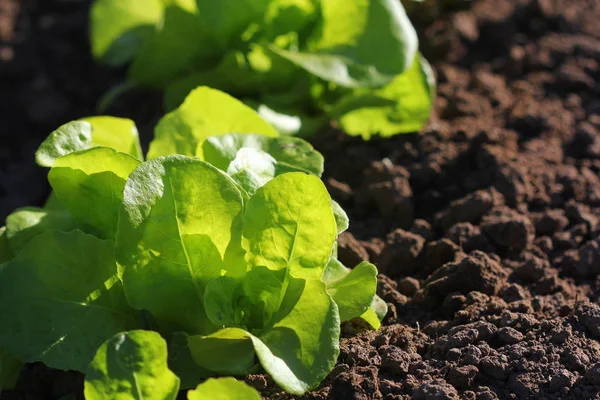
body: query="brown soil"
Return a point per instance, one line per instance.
(486, 227)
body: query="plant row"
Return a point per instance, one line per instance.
(300, 63)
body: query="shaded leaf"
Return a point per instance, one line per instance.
(10, 368)
(227, 351)
(26, 223)
(6, 253)
(60, 298)
(182, 364)
(119, 28)
(169, 51)
(131, 366)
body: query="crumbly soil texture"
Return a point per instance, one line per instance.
(485, 226)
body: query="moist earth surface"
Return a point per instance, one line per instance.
(485, 226)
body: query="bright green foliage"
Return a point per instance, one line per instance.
(71, 137)
(60, 298)
(223, 389)
(131, 366)
(175, 229)
(119, 134)
(290, 225)
(302, 347)
(349, 47)
(251, 169)
(290, 154)
(375, 314)
(226, 261)
(89, 183)
(298, 347)
(306, 59)
(206, 112)
(401, 106)
(341, 218)
(181, 220)
(353, 291)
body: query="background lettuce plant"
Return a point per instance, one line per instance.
(299, 62)
(218, 251)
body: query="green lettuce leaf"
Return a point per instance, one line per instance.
(90, 183)
(70, 137)
(206, 112)
(364, 43)
(234, 74)
(342, 221)
(376, 313)
(298, 349)
(289, 224)
(228, 19)
(131, 366)
(117, 133)
(60, 299)
(227, 351)
(241, 73)
(290, 154)
(179, 222)
(285, 16)
(182, 364)
(402, 106)
(223, 389)
(302, 346)
(251, 169)
(119, 28)
(352, 290)
(26, 223)
(120, 134)
(180, 40)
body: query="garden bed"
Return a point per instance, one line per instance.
(485, 227)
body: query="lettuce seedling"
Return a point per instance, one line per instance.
(299, 62)
(225, 252)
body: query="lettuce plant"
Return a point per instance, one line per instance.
(219, 250)
(299, 62)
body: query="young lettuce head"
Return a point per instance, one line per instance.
(299, 62)
(222, 258)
